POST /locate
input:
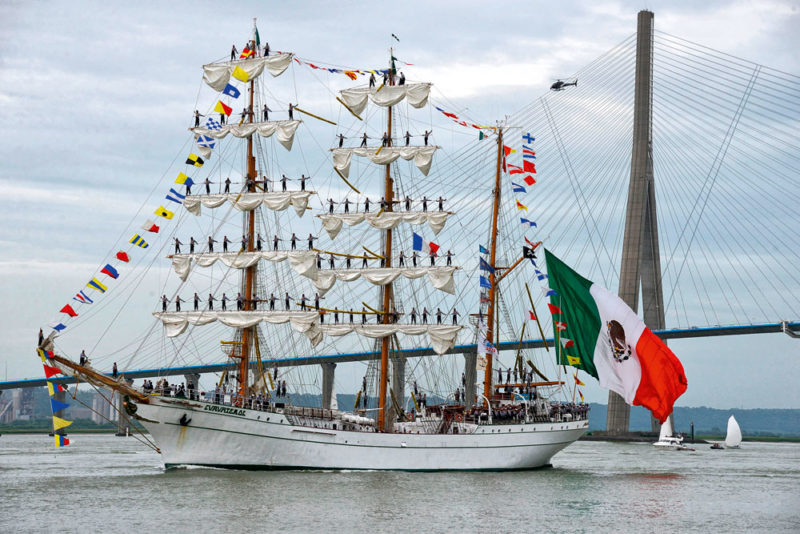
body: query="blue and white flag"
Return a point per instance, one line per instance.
(175, 196)
(549, 292)
(484, 265)
(205, 141)
(530, 223)
(486, 283)
(213, 124)
(540, 275)
(518, 188)
(231, 91)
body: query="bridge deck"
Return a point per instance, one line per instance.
(682, 333)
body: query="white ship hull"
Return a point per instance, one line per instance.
(224, 436)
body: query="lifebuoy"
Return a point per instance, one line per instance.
(459, 417)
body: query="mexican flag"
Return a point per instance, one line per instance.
(611, 343)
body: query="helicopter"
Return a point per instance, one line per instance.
(559, 85)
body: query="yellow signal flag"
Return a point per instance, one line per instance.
(573, 360)
(164, 212)
(240, 74)
(41, 355)
(59, 423)
(181, 179)
(51, 389)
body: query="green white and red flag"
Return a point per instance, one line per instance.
(611, 343)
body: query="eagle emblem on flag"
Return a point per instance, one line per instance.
(616, 338)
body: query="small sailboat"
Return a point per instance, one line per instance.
(734, 436)
(668, 440)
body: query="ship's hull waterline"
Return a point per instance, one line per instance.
(230, 437)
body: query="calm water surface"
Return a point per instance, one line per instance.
(111, 484)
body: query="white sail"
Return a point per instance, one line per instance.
(285, 131)
(666, 429)
(443, 337)
(305, 322)
(734, 436)
(389, 95)
(217, 75)
(422, 156)
(303, 262)
(385, 221)
(276, 201)
(440, 278)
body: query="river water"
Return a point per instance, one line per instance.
(110, 484)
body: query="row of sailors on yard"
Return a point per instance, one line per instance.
(408, 202)
(386, 139)
(251, 184)
(247, 112)
(304, 305)
(259, 242)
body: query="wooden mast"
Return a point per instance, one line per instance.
(487, 380)
(387, 290)
(250, 272)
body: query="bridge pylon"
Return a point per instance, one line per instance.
(641, 261)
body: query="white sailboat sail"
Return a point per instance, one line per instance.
(733, 438)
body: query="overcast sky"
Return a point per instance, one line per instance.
(98, 96)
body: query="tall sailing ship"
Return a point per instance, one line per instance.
(247, 419)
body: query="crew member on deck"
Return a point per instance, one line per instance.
(239, 302)
(234, 53)
(178, 246)
(207, 183)
(224, 301)
(164, 301)
(272, 303)
(265, 112)
(303, 182)
(413, 315)
(228, 184)
(196, 301)
(197, 116)
(449, 258)
(408, 137)
(311, 239)
(294, 241)
(455, 316)
(372, 79)
(364, 140)
(211, 300)
(291, 111)
(283, 182)
(225, 242)
(286, 299)
(211, 242)
(192, 243)
(178, 301)
(366, 205)
(438, 316)
(83, 358)
(441, 203)
(427, 133)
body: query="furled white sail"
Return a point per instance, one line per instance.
(285, 131)
(443, 337)
(666, 430)
(385, 221)
(388, 95)
(440, 277)
(217, 75)
(276, 201)
(303, 262)
(304, 322)
(422, 156)
(734, 436)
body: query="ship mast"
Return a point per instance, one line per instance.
(387, 254)
(250, 272)
(487, 380)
